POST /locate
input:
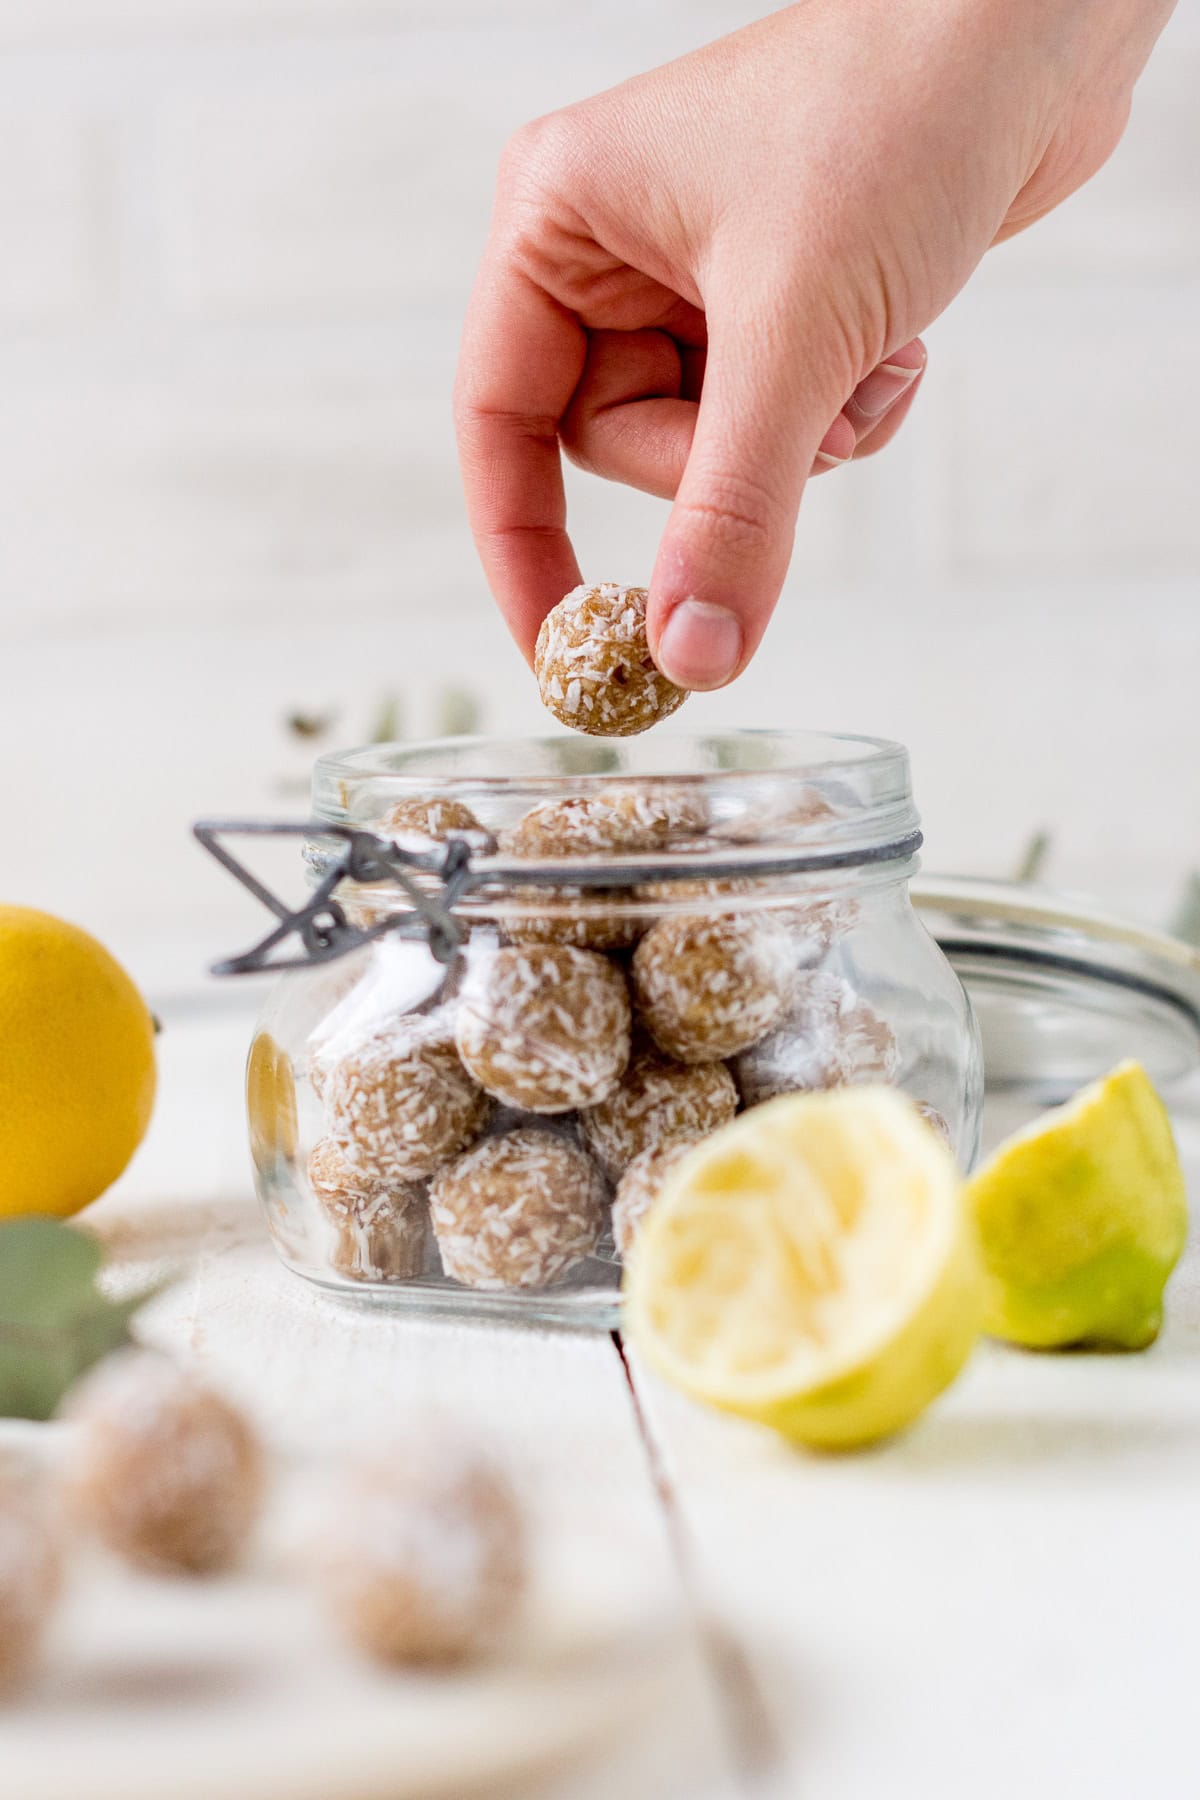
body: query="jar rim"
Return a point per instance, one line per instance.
(689, 757)
(773, 805)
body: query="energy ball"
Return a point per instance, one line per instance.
(593, 664)
(658, 1098)
(400, 1103)
(517, 1211)
(641, 1185)
(829, 1038)
(580, 825)
(720, 895)
(379, 1233)
(774, 818)
(545, 1028)
(166, 1472)
(31, 1568)
(560, 830)
(708, 986)
(423, 1558)
(434, 819)
(661, 815)
(816, 925)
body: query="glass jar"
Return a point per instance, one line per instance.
(580, 951)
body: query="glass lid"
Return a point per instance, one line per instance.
(1064, 990)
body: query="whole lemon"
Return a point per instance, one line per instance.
(77, 1072)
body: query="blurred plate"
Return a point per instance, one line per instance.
(238, 1688)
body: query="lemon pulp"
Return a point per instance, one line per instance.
(812, 1266)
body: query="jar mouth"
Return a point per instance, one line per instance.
(749, 795)
(760, 813)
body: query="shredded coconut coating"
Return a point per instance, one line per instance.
(708, 987)
(431, 818)
(593, 664)
(165, 1471)
(31, 1567)
(829, 1038)
(579, 826)
(816, 925)
(400, 1104)
(423, 1559)
(660, 811)
(721, 895)
(658, 1098)
(781, 813)
(378, 1232)
(641, 1185)
(518, 1211)
(545, 1027)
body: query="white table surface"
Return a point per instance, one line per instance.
(1005, 1600)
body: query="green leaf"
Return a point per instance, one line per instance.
(54, 1322)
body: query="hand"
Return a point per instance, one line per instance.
(709, 282)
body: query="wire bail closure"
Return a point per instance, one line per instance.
(450, 871)
(321, 925)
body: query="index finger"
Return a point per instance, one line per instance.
(521, 358)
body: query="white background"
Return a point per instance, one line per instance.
(236, 240)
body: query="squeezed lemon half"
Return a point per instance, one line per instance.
(812, 1266)
(1082, 1217)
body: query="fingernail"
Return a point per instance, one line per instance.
(700, 646)
(831, 462)
(882, 388)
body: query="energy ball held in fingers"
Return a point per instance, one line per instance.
(518, 1211)
(593, 664)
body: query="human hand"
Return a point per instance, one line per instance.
(709, 282)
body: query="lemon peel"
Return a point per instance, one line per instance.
(77, 1073)
(1082, 1216)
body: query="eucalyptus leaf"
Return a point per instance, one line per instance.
(54, 1321)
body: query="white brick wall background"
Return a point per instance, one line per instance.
(235, 242)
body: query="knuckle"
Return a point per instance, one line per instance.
(733, 513)
(536, 152)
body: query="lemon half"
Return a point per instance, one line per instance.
(1082, 1217)
(812, 1266)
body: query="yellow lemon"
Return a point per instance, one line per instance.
(1082, 1217)
(812, 1266)
(76, 1065)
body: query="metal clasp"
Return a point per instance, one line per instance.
(321, 925)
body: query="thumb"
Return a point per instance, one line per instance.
(765, 406)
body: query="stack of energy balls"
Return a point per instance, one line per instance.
(587, 1046)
